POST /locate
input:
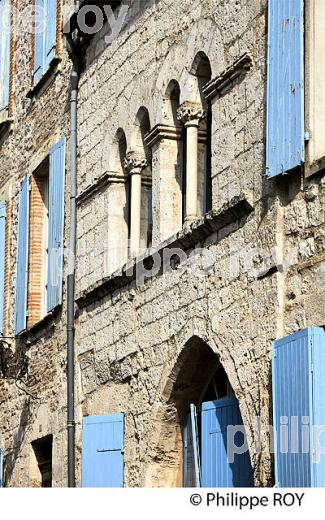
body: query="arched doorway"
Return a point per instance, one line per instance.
(214, 439)
(198, 405)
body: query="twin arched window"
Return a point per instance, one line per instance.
(163, 175)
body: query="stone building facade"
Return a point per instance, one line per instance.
(179, 285)
(32, 380)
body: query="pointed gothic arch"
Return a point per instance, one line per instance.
(186, 383)
(197, 377)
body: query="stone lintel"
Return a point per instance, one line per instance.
(101, 182)
(221, 84)
(160, 132)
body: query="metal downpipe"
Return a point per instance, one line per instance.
(74, 81)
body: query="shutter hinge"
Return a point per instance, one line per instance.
(107, 450)
(307, 136)
(312, 367)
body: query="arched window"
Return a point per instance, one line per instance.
(146, 197)
(177, 158)
(195, 114)
(165, 141)
(171, 104)
(120, 150)
(138, 167)
(201, 70)
(118, 204)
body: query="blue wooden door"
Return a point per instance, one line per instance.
(291, 382)
(218, 467)
(191, 457)
(298, 384)
(103, 451)
(317, 413)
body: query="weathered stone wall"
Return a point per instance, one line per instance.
(132, 343)
(147, 349)
(35, 405)
(126, 77)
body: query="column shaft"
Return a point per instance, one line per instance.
(135, 213)
(191, 114)
(191, 172)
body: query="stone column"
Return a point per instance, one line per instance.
(134, 164)
(191, 114)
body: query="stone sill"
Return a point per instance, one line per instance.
(316, 167)
(238, 208)
(47, 78)
(42, 324)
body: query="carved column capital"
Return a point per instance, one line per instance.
(135, 163)
(191, 114)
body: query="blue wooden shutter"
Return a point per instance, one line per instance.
(50, 37)
(298, 384)
(191, 457)
(4, 54)
(285, 147)
(317, 370)
(39, 45)
(217, 471)
(1, 468)
(2, 260)
(22, 257)
(291, 361)
(103, 451)
(56, 225)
